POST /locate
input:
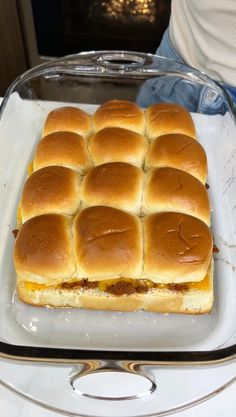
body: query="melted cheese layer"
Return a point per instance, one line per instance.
(103, 285)
(30, 168)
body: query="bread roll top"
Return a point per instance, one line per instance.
(119, 113)
(70, 119)
(115, 184)
(116, 144)
(108, 243)
(178, 151)
(163, 118)
(44, 250)
(170, 189)
(63, 149)
(52, 189)
(177, 248)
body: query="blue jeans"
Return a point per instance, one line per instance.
(193, 96)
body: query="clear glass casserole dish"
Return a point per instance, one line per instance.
(114, 341)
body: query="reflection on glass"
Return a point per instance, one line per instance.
(128, 9)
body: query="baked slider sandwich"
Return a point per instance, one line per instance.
(178, 263)
(100, 260)
(97, 231)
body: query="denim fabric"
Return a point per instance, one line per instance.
(194, 97)
(231, 91)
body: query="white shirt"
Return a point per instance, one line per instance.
(203, 32)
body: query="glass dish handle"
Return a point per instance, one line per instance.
(89, 388)
(122, 61)
(124, 380)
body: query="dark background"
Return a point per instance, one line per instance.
(73, 26)
(64, 27)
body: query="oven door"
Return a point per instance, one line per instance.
(58, 28)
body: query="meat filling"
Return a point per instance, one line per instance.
(122, 287)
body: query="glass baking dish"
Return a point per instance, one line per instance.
(115, 341)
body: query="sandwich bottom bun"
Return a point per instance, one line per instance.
(191, 299)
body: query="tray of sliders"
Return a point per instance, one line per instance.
(118, 234)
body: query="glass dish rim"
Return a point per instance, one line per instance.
(62, 355)
(94, 57)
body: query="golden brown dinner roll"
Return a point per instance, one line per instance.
(69, 119)
(44, 251)
(119, 113)
(190, 298)
(177, 248)
(51, 190)
(178, 151)
(81, 240)
(114, 184)
(170, 189)
(108, 243)
(62, 148)
(114, 144)
(165, 118)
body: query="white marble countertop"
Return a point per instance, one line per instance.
(223, 405)
(26, 377)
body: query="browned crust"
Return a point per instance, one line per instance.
(108, 243)
(62, 148)
(178, 151)
(52, 189)
(163, 118)
(44, 247)
(170, 189)
(177, 246)
(115, 144)
(115, 184)
(119, 113)
(70, 119)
